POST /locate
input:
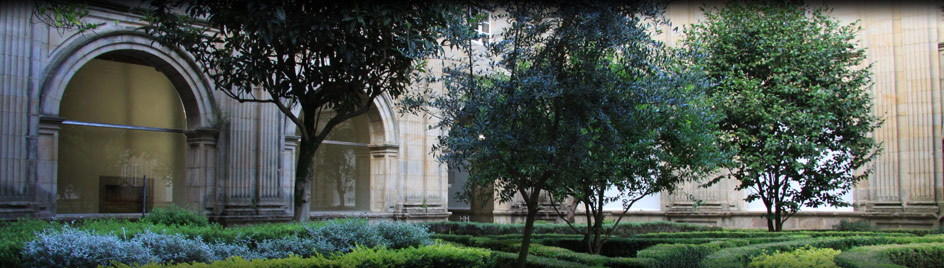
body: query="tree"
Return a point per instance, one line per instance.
(660, 132)
(556, 95)
(795, 99)
(64, 15)
(319, 56)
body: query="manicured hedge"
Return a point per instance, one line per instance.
(802, 257)
(740, 256)
(766, 234)
(93, 242)
(511, 244)
(437, 255)
(623, 229)
(676, 255)
(894, 255)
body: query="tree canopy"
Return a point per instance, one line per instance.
(793, 87)
(328, 59)
(573, 95)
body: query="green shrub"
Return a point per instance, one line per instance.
(677, 255)
(802, 257)
(173, 248)
(920, 255)
(507, 259)
(740, 256)
(174, 215)
(402, 235)
(437, 255)
(755, 234)
(79, 248)
(583, 258)
(14, 234)
(894, 255)
(845, 225)
(179, 243)
(623, 229)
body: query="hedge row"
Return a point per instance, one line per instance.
(740, 256)
(97, 242)
(437, 255)
(539, 249)
(893, 255)
(764, 234)
(686, 255)
(623, 229)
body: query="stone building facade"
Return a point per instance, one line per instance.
(86, 117)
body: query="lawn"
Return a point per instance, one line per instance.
(178, 238)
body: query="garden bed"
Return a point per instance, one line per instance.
(176, 237)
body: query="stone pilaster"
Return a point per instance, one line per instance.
(47, 164)
(289, 159)
(16, 185)
(384, 178)
(201, 184)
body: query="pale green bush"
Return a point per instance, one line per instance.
(803, 257)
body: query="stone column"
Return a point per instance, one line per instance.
(202, 170)
(383, 178)
(289, 159)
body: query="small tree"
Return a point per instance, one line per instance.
(321, 57)
(557, 99)
(663, 133)
(794, 93)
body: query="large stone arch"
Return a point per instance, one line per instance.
(191, 83)
(384, 146)
(188, 79)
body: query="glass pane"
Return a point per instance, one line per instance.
(101, 169)
(342, 178)
(121, 93)
(351, 130)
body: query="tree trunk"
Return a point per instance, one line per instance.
(779, 220)
(598, 225)
(770, 219)
(532, 204)
(304, 169)
(586, 235)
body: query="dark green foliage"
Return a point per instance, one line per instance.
(677, 255)
(891, 255)
(331, 59)
(585, 258)
(14, 233)
(624, 229)
(174, 215)
(740, 256)
(796, 103)
(845, 225)
(760, 234)
(425, 256)
(918, 255)
(801, 257)
(505, 259)
(573, 100)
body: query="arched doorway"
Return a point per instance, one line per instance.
(145, 109)
(124, 122)
(342, 168)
